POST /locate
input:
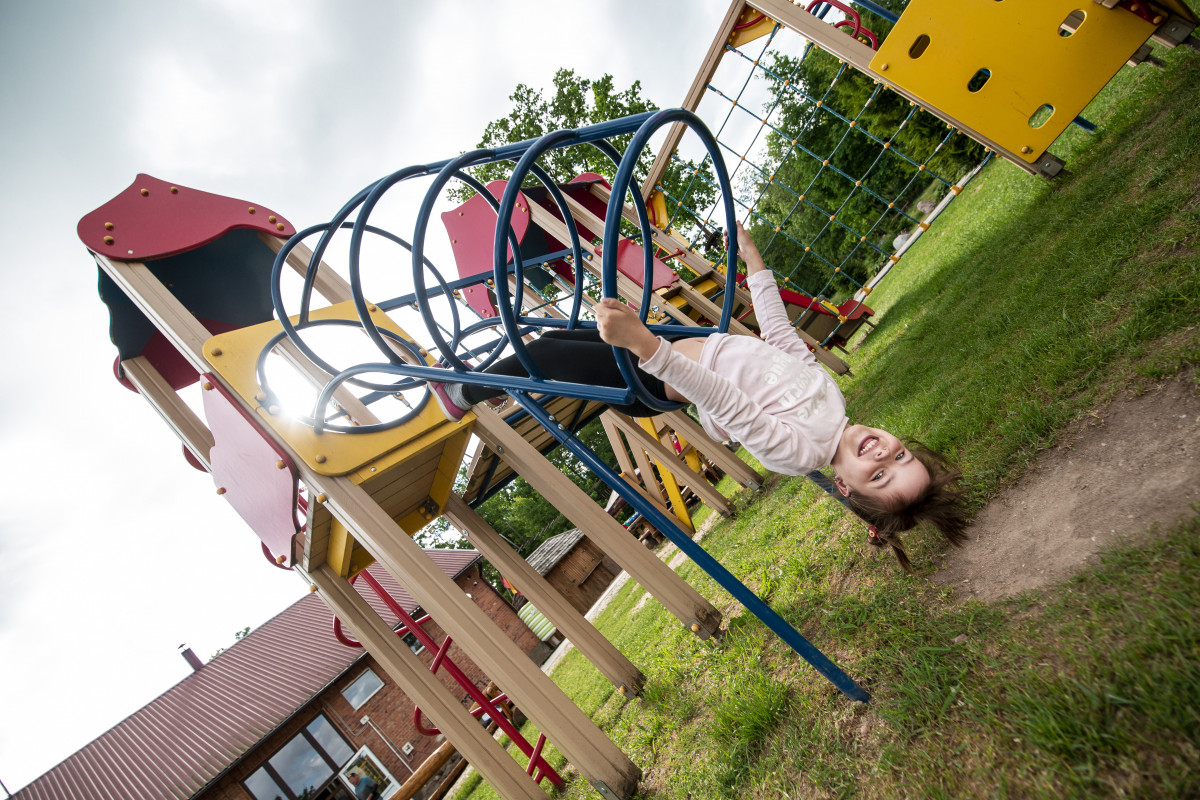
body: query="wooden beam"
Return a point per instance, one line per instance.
(424, 688)
(576, 737)
(656, 577)
(573, 734)
(715, 452)
(691, 100)
(669, 460)
(179, 417)
(328, 283)
(161, 307)
(590, 642)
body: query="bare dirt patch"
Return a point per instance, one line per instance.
(1130, 466)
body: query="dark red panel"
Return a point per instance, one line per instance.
(245, 464)
(152, 219)
(631, 262)
(472, 230)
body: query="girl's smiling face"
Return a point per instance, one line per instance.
(873, 462)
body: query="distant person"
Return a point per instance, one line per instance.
(770, 394)
(365, 787)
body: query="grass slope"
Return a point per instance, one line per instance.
(1027, 304)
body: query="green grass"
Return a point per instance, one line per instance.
(1028, 305)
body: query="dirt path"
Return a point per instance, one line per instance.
(1134, 464)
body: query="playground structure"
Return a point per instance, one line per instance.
(194, 285)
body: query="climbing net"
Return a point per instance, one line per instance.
(835, 175)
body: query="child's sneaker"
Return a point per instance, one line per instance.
(441, 393)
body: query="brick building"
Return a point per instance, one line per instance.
(284, 712)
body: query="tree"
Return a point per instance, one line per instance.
(237, 637)
(577, 102)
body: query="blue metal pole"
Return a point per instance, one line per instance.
(706, 562)
(877, 9)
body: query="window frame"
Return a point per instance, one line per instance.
(280, 784)
(366, 699)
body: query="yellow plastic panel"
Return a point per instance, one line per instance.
(750, 25)
(328, 453)
(1031, 63)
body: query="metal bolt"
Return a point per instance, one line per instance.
(108, 226)
(500, 449)
(280, 465)
(251, 209)
(319, 458)
(207, 386)
(220, 490)
(145, 192)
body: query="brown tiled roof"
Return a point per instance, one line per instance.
(191, 733)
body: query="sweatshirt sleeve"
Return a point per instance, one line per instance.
(772, 317)
(781, 447)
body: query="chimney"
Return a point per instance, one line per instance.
(191, 657)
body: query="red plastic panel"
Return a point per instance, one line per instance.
(631, 262)
(246, 465)
(472, 230)
(153, 218)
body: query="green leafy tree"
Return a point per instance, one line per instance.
(576, 102)
(237, 637)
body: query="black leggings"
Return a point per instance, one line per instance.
(578, 356)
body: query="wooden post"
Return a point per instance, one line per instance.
(670, 461)
(575, 736)
(608, 659)
(656, 577)
(190, 429)
(695, 94)
(423, 687)
(715, 452)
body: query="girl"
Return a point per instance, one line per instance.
(769, 394)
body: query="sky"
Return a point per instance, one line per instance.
(114, 551)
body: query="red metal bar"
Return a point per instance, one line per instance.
(750, 24)
(459, 676)
(537, 753)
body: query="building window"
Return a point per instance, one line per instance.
(362, 689)
(366, 761)
(413, 643)
(302, 766)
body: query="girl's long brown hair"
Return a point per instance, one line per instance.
(942, 505)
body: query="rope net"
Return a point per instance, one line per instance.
(833, 173)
